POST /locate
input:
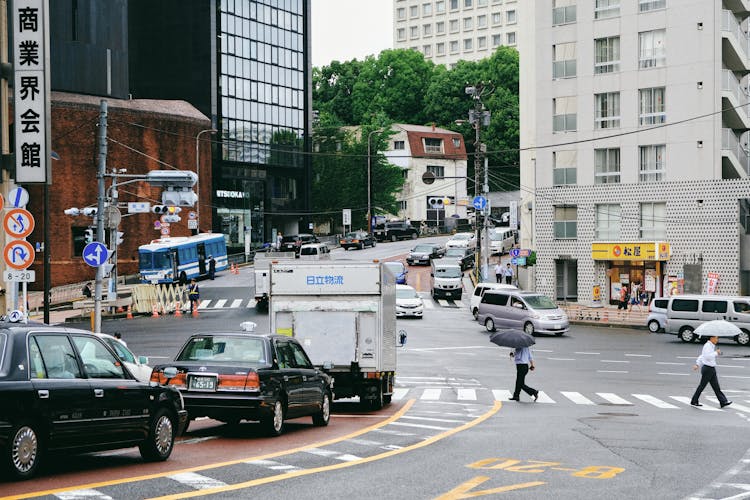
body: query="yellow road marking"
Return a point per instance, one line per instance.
(305, 472)
(390, 419)
(464, 490)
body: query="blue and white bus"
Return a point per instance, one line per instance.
(171, 260)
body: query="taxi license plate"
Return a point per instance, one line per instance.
(200, 383)
(556, 326)
(447, 294)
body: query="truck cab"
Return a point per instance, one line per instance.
(446, 280)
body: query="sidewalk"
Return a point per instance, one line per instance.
(580, 314)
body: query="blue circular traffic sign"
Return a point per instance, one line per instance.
(479, 202)
(515, 252)
(95, 254)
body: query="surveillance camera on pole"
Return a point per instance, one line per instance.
(72, 211)
(89, 211)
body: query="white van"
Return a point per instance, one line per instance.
(446, 280)
(479, 290)
(315, 251)
(502, 239)
(686, 312)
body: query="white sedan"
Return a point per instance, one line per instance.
(137, 365)
(462, 240)
(408, 302)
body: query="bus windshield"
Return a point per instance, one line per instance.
(162, 260)
(145, 260)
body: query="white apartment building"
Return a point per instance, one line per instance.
(447, 31)
(438, 152)
(636, 116)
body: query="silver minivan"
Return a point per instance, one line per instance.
(532, 312)
(479, 290)
(686, 312)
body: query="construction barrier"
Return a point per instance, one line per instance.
(165, 298)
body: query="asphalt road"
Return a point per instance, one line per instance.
(612, 422)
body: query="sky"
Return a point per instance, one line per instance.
(347, 29)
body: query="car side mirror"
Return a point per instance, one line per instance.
(169, 372)
(401, 338)
(143, 360)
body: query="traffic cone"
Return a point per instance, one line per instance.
(130, 313)
(236, 270)
(231, 268)
(195, 312)
(177, 311)
(155, 311)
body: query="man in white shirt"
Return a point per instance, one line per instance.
(508, 274)
(707, 363)
(499, 272)
(524, 362)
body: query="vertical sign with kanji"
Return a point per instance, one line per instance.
(31, 90)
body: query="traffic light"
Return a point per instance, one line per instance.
(89, 235)
(160, 209)
(168, 213)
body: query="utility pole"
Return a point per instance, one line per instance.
(102, 169)
(7, 73)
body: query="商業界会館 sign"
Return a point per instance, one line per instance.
(31, 90)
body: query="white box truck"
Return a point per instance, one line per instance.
(262, 273)
(344, 315)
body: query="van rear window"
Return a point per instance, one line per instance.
(685, 305)
(496, 299)
(714, 306)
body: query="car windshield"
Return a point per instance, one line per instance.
(353, 235)
(496, 236)
(224, 349)
(462, 236)
(539, 302)
(309, 250)
(289, 239)
(395, 267)
(454, 252)
(448, 272)
(423, 248)
(406, 293)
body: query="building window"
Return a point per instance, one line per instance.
(482, 42)
(566, 280)
(414, 11)
(651, 49)
(653, 221)
(651, 108)
(481, 3)
(607, 55)
(427, 50)
(468, 23)
(440, 48)
(607, 166)
(511, 38)
(402, 205)
(564, 167)
(440, 6)
(481, 21)
(398, 145)
(510, 17)
(563, 12)
(401, 14)
(432, 145)
(497, 40)
(454, 46)
(456, 142)
(440, 27)
(606, 8)
(564, 60)
(608, 219)
(652, 163)
(646, 5)
(607, 110)
(426, 9)
(564, 114)
(566, 222)
(468, 44)
(401, 34)
(414, 31)
(454, 4)
(453, 25)
(427, 30)
(497, 18)
(437, 170)
(468, 4)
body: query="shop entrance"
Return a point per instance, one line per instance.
(646, 275)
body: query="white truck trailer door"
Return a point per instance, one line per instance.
(327, 336)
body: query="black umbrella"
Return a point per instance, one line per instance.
(512, 338)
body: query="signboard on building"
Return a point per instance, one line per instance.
(31, 90)
(712, 283)
(513, 214)
(650, 250)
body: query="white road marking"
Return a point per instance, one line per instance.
(612, 371)
(82, 494)
(204, 304)
(196, 481)
(638, 355)
(443, 303)
(428, 304)
(592, 353)
(614, 361)
(562, 359)
(431, 427)
(544, 398)
(364, 442)
(393, 432)
(733, 376)
(236, 303)
(543, 350)
(399, 394)
(220, 303)
(501, 394)
(686, 400)
(670, 363)
(467, 394)
(430, 419)
(336, 455)
(613, 398)
(432, 394)
(577, 398)
(251, 303)
(654, 401)
(270, 464)
(734, 406)
(675, 374)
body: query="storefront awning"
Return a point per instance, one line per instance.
(638, 250)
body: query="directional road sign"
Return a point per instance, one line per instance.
(18, 254)
(515, 252)
(524, 252)
(479, 202)
(95, 254)
(18, 197)
(18, 223)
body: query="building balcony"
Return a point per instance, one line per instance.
(741, 7)
(735, 157)
(734, 101)
(735, 43)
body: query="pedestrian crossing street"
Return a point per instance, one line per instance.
(488, 396)
(245, 303)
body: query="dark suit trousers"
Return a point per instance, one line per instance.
(521, 370)
(708, 376)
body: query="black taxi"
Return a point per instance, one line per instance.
(65, 390)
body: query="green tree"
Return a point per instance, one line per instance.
(333, 86)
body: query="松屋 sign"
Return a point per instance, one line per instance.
(31, 90)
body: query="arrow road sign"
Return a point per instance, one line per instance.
(18, 254)
(95, 254)
(515, 252)
(18, 223)
(18, 197)
(479, 202)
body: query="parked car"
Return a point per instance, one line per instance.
(502, 239)
(399, 271)
(424, 253)
(479, 290)
(65, 390)
(463, 256)
(246, 376)
(357, 239)
(686, 312)
(462, 240)
(138, 365)
(315, 251)
(399, 230)
(657, 315)
(408, 302)
(532, 312)
(294, 242)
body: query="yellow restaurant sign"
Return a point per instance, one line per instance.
(644, 250)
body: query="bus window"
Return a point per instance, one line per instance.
(162, 260)
(145, 261)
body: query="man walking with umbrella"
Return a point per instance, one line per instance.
(519, 341)
(707, 363)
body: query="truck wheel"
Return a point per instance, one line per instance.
(321, 418)
(161, 433)
(274, 424)
(23, 451)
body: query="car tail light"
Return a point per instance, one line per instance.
(249, 382)
(178, 380)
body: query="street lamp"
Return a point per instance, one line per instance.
(197, 171)
(369, 180)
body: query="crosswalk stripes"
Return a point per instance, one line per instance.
(686, 401)
(577, 398)
(234, 303)
(654, 401)
(613, 398)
